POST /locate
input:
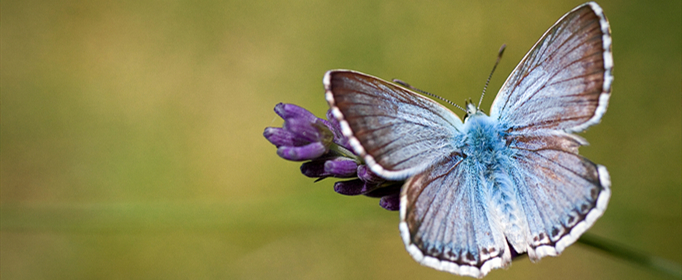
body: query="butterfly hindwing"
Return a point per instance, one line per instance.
(397, 132)
(446, 222)
(561, 193)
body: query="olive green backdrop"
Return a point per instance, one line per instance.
(131, 143)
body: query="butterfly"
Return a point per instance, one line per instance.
(477, 189)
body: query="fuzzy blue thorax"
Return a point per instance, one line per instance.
(483, 139)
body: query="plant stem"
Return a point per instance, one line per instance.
(622, 252)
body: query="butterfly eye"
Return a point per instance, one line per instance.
(470, 109)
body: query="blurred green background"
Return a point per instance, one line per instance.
(132, 148)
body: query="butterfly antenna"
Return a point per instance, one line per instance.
(402, 83)
(499, 56)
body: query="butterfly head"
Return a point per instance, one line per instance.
(471, 110)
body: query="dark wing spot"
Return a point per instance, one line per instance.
(470, 256)
(594, 192)
(542, 236)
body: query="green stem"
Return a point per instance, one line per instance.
(345, 152)
(622, 252)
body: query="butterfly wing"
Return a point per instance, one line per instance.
(561, 86)
(564, 81)
(561, 193)
(446, 222)
(398, 132)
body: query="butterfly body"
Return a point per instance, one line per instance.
(513, 181)
(483, 144)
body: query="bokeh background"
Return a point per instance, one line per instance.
(131, 143)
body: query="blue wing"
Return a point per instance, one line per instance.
(446, 222)
(564, 82)
(398, 132)
(561, 193)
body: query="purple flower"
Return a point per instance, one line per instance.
(319, 142)
(390, 202)
(302, 137)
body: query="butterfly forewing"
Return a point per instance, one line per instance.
(564, 81)
(397, 131)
